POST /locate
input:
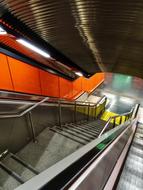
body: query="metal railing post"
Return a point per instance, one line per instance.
(88, 112)
(114, 122)
(32, 127)
(75, 112)
(60, 113)
(120, 120)
(92, 112)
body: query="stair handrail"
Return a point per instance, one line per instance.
(80, 102)
(28, 113)
(134, 109)
(44, 100)
(25, 111)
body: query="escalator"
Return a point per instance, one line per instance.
(35, 135)
(62, 149)
(132, 174)
(53, 144)
(90, 165)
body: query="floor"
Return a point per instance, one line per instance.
(123, 92)
(50, 148)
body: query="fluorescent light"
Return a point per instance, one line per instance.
(34, 48)
(2, 31)
(79, 74)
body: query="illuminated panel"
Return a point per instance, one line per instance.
(121, 82)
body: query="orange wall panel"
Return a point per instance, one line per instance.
(77, 86)
(96, 79)
(49, 84)
(25, 77)
(66, 88)
(91, 83)
(85, 84)
(5, 78)
(18, 76)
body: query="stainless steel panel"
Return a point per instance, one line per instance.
(97, 178)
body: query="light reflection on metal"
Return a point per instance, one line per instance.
(82, 21)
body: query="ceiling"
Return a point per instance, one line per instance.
(89, 35)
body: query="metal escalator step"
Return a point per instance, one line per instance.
(140, 131)
(132, 175)
(129, 183)
(137, 172)
(139, 141)
(137, 153)
(137, 145)
(134, 160)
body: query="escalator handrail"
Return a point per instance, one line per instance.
(54, 171)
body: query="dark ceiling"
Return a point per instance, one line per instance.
(95, 35)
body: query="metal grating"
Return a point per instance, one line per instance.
(95, 34)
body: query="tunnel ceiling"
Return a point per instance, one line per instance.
(95, 35)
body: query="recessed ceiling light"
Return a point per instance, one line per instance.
(2, 31)
(79, 74)
(32, 47)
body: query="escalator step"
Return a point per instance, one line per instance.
(130, 182)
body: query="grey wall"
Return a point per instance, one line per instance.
(16, 133)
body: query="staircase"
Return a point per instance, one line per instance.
(16, 170)
(82, 133)
(132, 175)
(53, 144)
